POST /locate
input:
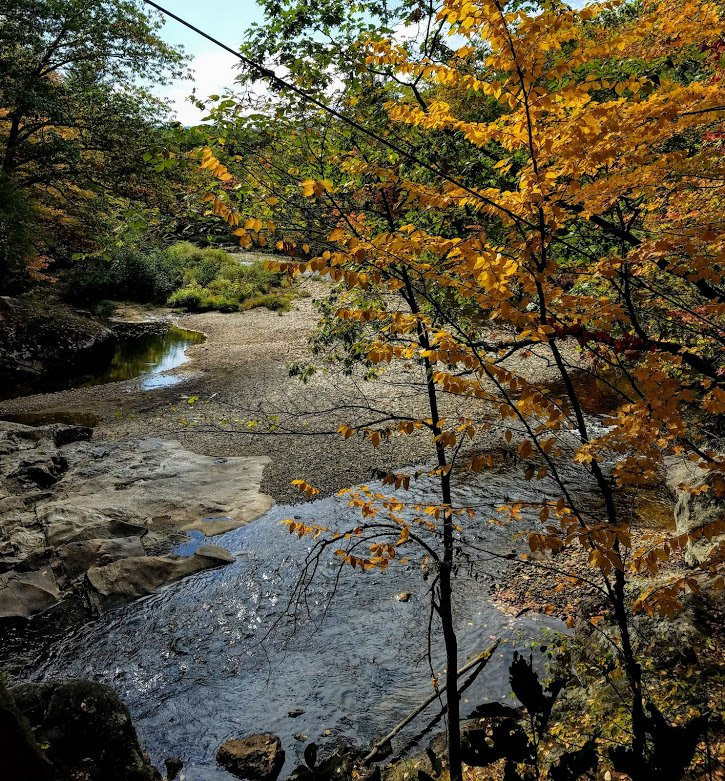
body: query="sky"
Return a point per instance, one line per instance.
(213, 68)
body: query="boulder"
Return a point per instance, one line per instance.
(694, 509)
(173, 767)
(256, 758)
(21, 755)
(86, 728)
(24, 594)
(128, 579)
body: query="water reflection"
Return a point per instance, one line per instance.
(148, 357)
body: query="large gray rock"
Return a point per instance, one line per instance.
(24, 594)
(79, 505)
(87, 730)
(694, 510)
(256, 758)
(128, 579)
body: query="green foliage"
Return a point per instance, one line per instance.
(16, 219)
(104, 308)
(69, 74)
(214, 279)
(131, 272)
(182, 275)
(76, 123)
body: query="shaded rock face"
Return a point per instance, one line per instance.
(256, 758)
(21, 755)
(87, 730)
(37, 339)
(69, 506)
(23, 594)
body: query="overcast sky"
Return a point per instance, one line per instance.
(213, 68)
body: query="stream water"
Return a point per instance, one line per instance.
(223, 654)
(147, 358)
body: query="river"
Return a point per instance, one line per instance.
(222, 653)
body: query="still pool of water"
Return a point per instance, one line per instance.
(227, 653)
(148, 358)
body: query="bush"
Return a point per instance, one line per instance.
(130, 272)
(214, 279)
(104, 308)
(182, 275)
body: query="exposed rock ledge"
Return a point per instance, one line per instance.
(39, 338)
(128, 579)
(694, 507)
(69, 507)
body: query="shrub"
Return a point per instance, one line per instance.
(182, 275)
(131, 272)
(104, 308)
(214, 279)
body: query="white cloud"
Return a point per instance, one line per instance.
(214, 73)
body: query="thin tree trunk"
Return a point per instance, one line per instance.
(445, 586)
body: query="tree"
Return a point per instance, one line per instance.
(75, 121)
(592, 234)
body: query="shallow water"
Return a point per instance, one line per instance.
(147, 358)
(223, 654)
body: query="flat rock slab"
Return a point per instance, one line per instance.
(128, 579)
(156, 483)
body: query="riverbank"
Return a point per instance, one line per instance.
(236, 398)
(236, 407)
(213, 450)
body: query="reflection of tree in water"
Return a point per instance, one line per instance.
(146, 354)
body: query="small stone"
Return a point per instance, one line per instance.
(301, 737)
(256, 758)
(404, 596)
(173, 766)
(295, 712)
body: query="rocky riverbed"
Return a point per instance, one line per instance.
(109, 492)
(100, 506)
